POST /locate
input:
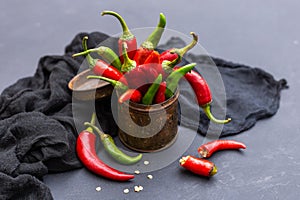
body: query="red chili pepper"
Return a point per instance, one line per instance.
(160, 95)
(203, 94)
(85, 148)
(206, 150)
(198, 166)
(101, 68)
(147, 47)
(153, 61)
(126, 37)
(174, 53)
(132, 95)
(141, 75)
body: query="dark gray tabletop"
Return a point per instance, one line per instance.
(263, 34)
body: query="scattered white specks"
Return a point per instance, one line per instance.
(146, 162)
(137, 172)
(98, 189)
(150, 176)
(138, 188)
(126, 191)
(141, 188)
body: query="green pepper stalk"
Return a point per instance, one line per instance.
(92, 62)
(151, 92)
(169, 65)
(106, 53)
(128, 64)
(93, 122)
(117, 84)
(113, 150)
(175, 76)
(174, 53)
(126, 36)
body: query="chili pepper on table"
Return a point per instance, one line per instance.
(132, 95)
(112, 149)
(107, 54)
(206, 150)
(85, 149)
(174, 53)
(203, 94)
(151, 92)
(175, 76)
(148, 46)
(160, 94)
(101, 68)
(198, 166)
(126, 36)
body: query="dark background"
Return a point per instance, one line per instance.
(264, 34)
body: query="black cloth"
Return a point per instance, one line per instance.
(37, 132)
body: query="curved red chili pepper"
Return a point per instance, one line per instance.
(101, 68)
(198, 166)
(206, 150)
(203, 94)
(126, 36)
(132, 95)
(85, 148)
(160, 95)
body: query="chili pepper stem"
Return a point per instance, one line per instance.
(90, 125)
(188, 47)
(206, 109)
(93, 120)
(126, 32)
(83, 53)
(128, 63)
(91, 61)
(116, 84)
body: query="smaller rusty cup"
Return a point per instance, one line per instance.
(148, 128)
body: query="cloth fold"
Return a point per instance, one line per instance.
(37, 132)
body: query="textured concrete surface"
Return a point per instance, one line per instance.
(263, 34)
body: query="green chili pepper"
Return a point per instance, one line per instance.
(117, 84)
(150, 94)
(155, 36)
(113, 150)
(107, 54)
(175, 76)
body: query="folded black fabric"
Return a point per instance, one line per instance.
(37, 134)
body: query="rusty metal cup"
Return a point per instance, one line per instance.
(148, 128)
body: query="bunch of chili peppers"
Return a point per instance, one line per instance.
(142, 74)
